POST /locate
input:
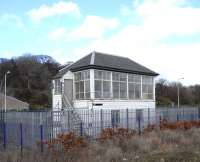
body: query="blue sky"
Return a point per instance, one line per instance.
(163, 35)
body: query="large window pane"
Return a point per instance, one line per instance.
(87, 75)
(116, 90)
(123, 90)
(137, 91)
(98, 74)
(98, 88)
(115, 76)
(87, 86)
(147, 87)
(123, 77)
(81, 86)
(134, 83)
(106, 89)
(131, 90)
(102, 84)
(106, 75)
(119, 85)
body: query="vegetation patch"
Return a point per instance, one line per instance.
(117, 145)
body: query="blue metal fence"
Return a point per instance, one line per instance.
(30, 129)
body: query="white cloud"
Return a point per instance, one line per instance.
(59, 8)
(10, 19)
(57, 34)
(144, 42)
(163, 18)
(93, 27)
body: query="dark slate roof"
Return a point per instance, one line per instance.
(97, 60)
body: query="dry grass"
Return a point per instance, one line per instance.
(155, 146)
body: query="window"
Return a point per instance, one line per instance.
(134, 86)
(102, 84)
(82, 84)
(119, 85)
(147, 87)
(58, 87)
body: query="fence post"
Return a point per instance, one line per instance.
(4, 135)
(177, 116)
(81, 129)
(101, 118)
(127, 119)
(160, 120)
(21, 137)
(139, 125)
(148, 116)
(199, 113)
(41, 137)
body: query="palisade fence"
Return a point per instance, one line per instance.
(31, 129)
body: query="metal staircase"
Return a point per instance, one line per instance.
(73, 118)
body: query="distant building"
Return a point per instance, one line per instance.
(12, 103)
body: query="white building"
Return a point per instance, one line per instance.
(103, 81)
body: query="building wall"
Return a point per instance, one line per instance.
(94, 120)
(114, 104)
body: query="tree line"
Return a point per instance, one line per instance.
(29, 79)
(167, 94)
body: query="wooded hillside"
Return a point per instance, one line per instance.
(29, 79)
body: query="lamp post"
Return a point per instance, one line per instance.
(179, 92)
(5, 104)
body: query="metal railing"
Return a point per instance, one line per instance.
(30, 129)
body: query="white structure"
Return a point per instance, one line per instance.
(102, 81)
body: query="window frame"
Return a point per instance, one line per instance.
(147, 87)
(81, 79)
(134, 81)
(111, 80)
(118, 80)
(104, 77)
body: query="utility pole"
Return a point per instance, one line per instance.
(5, 102)
(178, 93)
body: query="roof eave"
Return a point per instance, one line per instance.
(113, 69)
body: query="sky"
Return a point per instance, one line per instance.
(163, 35)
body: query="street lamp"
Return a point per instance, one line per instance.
(5, 104)
(179, 92)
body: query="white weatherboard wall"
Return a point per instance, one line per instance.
(114, 104)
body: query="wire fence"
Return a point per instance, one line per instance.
(31, 129)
